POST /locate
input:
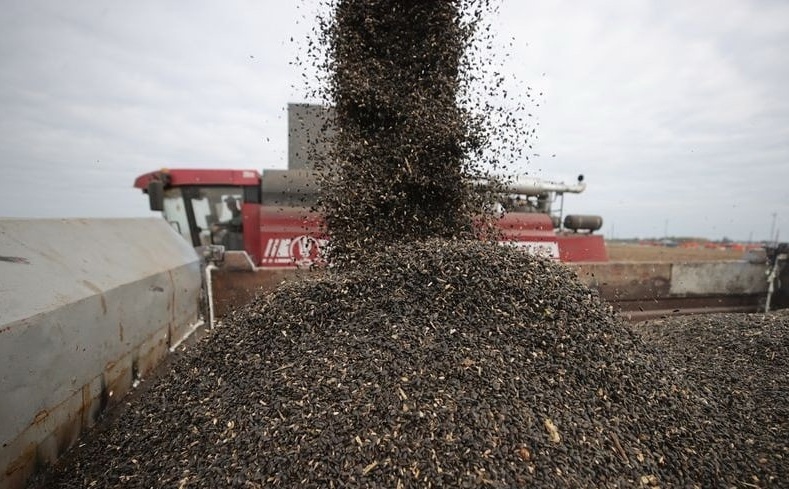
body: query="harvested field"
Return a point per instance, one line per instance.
(634, 252)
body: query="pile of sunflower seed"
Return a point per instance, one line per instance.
(444, 363)
(427, 362)
(742, 362)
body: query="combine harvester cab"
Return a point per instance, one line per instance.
(254, 229)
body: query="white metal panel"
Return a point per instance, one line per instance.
(47, 263)
(79, 300)
(708, 278)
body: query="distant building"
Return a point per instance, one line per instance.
(309, 133)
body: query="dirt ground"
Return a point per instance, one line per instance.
(635, 252)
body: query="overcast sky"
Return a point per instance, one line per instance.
(676, 112)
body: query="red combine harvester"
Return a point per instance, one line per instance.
(256, 229)
(267, 215)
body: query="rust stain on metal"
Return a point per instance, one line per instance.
(171, 302)
(117, 381)
(23, 461)
(172, 325)
(233, 288)
(15, 259)
(92, 286)
(172, 294)
(66, 434)
(40, 416)
(640, 310)
(151, 356)
(627, 281)
(84, 406)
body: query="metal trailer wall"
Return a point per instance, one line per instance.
(647, 290)
(86, 308)
(781, 298)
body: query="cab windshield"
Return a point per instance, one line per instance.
(206, 215)
(174, 212)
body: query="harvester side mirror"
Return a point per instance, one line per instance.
(156, 195)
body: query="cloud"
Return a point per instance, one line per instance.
(664, 106)
(94, 94)
(674, 110)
